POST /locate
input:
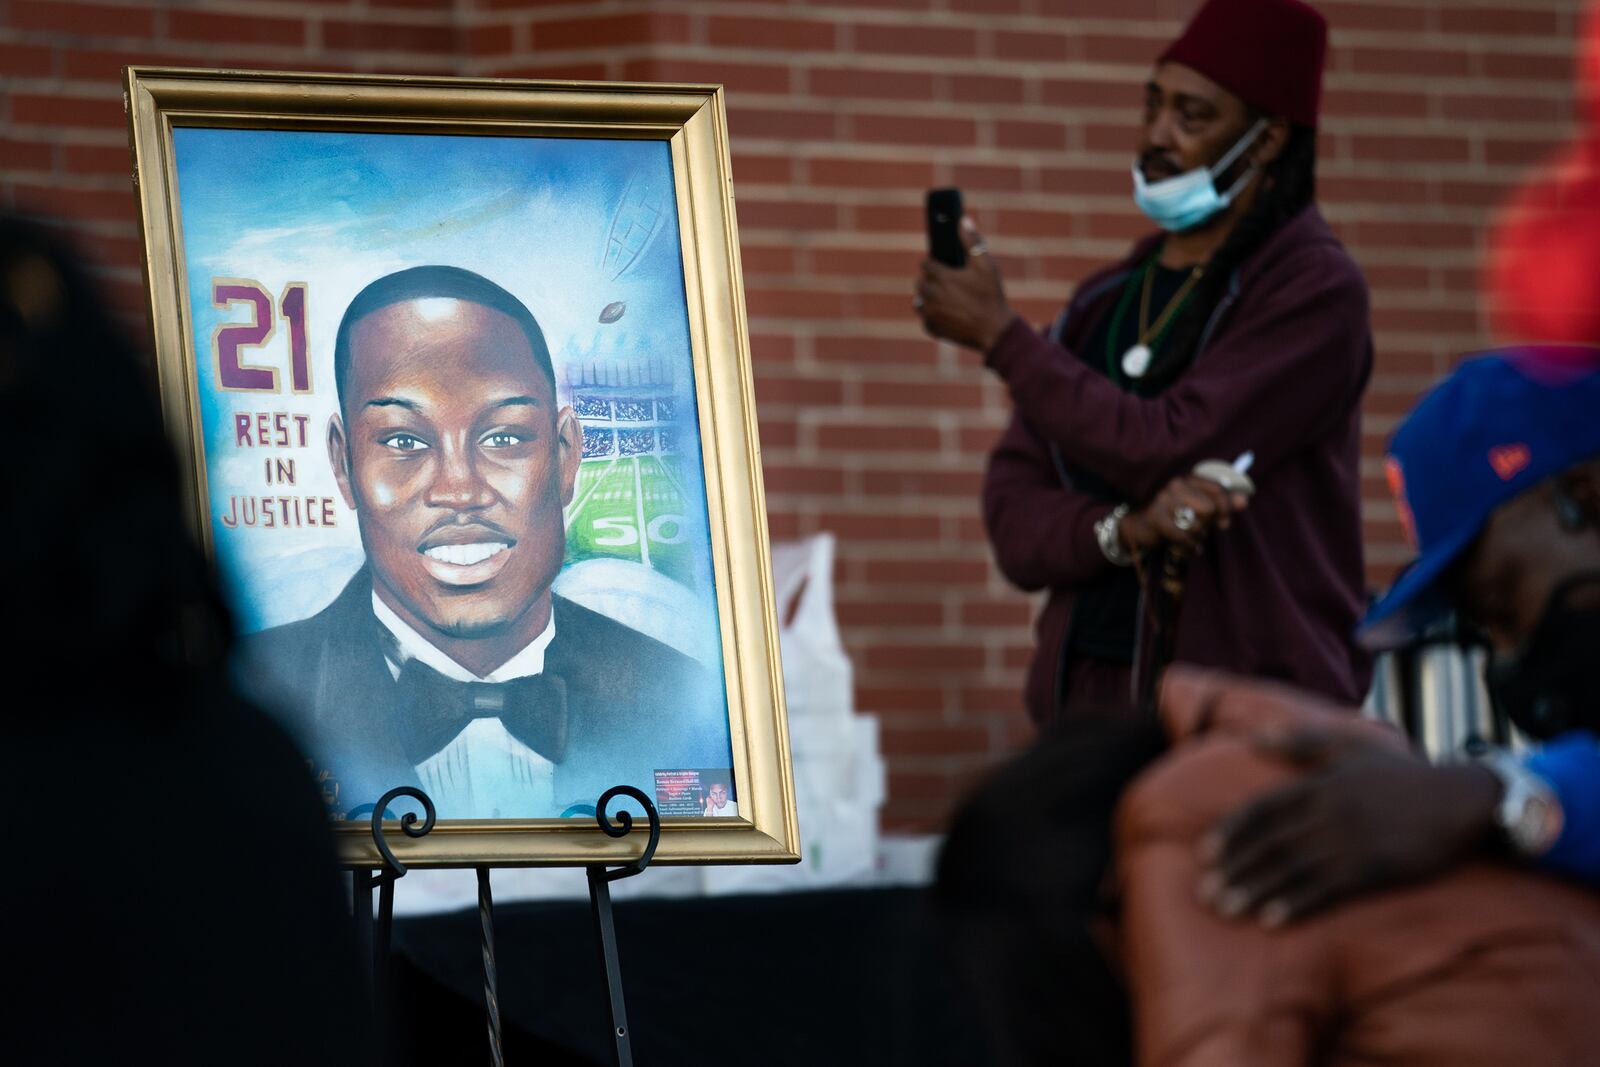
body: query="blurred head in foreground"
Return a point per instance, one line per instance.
(94, 553)
(142, 777)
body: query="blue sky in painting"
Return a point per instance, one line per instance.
(335, 211)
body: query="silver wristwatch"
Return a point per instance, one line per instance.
(1108, 531)
(1529, 813)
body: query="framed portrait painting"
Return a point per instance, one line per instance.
(460, 379)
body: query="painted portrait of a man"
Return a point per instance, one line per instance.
(447, 661)
(456, 496)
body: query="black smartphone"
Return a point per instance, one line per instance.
(944, 227)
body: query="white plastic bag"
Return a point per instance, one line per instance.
(816, 671)
(839, 775)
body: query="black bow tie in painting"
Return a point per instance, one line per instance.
(433, 709)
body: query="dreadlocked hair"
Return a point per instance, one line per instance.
(1288, 186)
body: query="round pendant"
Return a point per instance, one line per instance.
(1136, 360)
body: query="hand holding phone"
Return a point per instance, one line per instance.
(944, 227)
(959, 295)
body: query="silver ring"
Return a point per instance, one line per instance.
(1184, 518)
(979, 249)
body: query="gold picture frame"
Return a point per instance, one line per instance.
(165, 104)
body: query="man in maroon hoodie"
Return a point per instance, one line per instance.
(1241, 327)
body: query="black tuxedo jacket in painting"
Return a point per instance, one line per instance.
(634, 705)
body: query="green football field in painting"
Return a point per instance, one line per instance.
(630, 507)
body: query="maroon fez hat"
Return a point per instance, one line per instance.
(1268, 53)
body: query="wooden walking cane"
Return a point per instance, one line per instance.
(1161, 591)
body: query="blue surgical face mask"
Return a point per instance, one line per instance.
(1191, 198)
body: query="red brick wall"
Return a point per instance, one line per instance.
(842, 114)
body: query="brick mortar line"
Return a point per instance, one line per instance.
(578, 10)
(944, 522)
(1441, 86)
(776, 55)
(1388, 299)
(1456, 343)
(980, 24)
(1476, 133)
(1433, 210)
(1335, 124)
(1108, 71)
(991, 400)
(1159, 30)
(1433, 206)
(1110, 160)
(223, 7)
(1382, 256)
(1404, 256)
(865, 465)
(1037, 268)
(1399, 5)
(1395, 339)
(815, 504)
(1064, 114)
(912, 552)
(572, 56)
(1434, 88)
(816, 419)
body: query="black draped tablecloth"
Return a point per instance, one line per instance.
(842, 977)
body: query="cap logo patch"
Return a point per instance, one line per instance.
(1397, 487)
(1509, 461)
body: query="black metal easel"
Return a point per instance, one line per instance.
(376, 941)
(600, 879)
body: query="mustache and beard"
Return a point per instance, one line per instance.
(1158, 166)
(1549, 686)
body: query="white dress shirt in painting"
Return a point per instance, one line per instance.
(483, 768)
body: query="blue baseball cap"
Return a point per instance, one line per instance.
(1500, 424)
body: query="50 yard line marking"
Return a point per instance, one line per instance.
(638, 510)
